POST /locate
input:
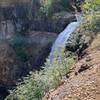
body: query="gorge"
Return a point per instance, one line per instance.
(74, 74)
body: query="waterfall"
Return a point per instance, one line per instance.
(63, 37)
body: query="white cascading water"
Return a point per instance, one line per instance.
(63, 38)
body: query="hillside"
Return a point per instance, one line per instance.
(83, 82)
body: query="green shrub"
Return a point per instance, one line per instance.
(92, 14)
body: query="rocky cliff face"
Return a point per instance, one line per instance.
(18, 58)
(13, 19)
(56, 23)
(21, 16)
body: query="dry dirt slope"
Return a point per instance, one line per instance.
(84, 80)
